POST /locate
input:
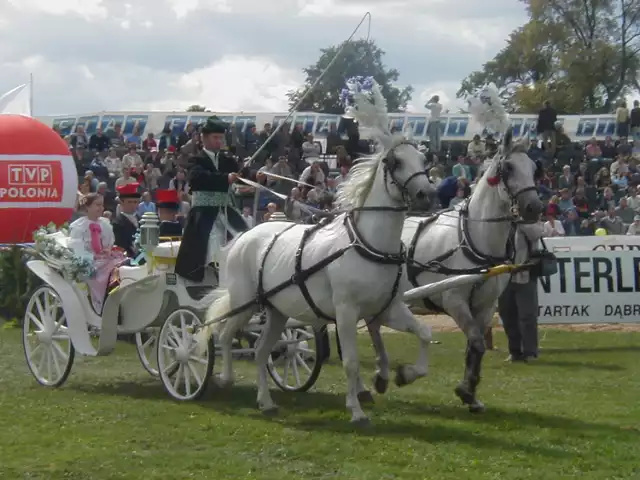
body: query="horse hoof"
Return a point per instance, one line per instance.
(271, 411)
(401, 377)
(222, 383)
(477, 407)
(380, 384)
(464, 395)
(362, 422)
(365, 397)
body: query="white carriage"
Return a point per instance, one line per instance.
(160, 308)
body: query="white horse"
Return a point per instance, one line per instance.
(478, 234)
(345, 269)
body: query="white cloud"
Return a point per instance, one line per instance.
(230, 55)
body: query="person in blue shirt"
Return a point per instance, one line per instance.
(448, 189)
(146, 205)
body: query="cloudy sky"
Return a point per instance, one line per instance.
(231, 55)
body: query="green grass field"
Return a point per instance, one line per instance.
(574, 413)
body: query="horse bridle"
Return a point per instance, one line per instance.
(390, 164)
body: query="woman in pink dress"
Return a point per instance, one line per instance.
(92, 236)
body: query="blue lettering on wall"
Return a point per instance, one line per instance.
(456, 127)
(325, 123)
(516, 126)
(417, 126)
(109, 122)
(586, 127)
(90, 124)
(197, 120)
(606, 126)
(64, 125)
(175, 123)
(242, 122)
(135, 121)
(396, 123)
(306, 121)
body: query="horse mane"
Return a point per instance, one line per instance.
(354, 190)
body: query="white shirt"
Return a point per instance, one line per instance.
(436, 110)
(249, 220)
(311, 178)
(80, 235)
(555, 230)
(633, 229)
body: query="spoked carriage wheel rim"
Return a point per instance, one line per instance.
(295, 363)
(47, 345)
(184, 371)
(146, 343)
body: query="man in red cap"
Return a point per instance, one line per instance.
(125, 225)
(168, 205)
(212, 219)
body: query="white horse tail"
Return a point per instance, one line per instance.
(221, 306)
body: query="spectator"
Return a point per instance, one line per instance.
(565, 202)
(151, 175)
(93, 181)
(613, 223)
(632, 198)
(99, 168)
(547, 118)
(271, 209)
(607, 201)
(571, 223)
(135, 138)
(625, 212)
(179, 182)
(553, 227)
(603, 178)
(132, 160)
(342, 157)
(583, 173)
(125, 179)
(433, 128)
(459, 198)
(460, 169)
(634, 228)
(310, 150)
(333, 140)
(150, 144)
(146, 205)
(566, 180)
(115, 136)
(99, 142)
(593, 150)
(622, 121)
(185, 136)
(79, 139)
(113, 164)
(435, 175)
(476, 150)
(609, 148)
(167, 139)
(312, 175)
(85, 186)
(246, 215)
(580, 203)
(635, 120)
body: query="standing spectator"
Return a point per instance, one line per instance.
(622, 121)
(185, 136)
(612, 223)
(435, 112)
(99, 142)
(635, 120)
(546, 126)
(634, 228)
(297, 139)
(333, 140)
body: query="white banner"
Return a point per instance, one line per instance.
(607, 242)
(453, 127)
(592, 287)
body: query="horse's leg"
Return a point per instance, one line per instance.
(400, 318)
(347, 326)
(381, 377)
(273, 328)
(474, 330)
(228, 331)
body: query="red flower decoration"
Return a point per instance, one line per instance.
(493, 181)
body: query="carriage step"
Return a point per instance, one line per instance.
(198, 292)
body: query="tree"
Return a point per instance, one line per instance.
(582, 55)
(361, 57)
(197, 108)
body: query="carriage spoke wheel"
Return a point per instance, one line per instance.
(184, 371)
(146, 344)
(47, 345)
(295, 363)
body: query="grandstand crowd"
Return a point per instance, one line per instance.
(586, 186)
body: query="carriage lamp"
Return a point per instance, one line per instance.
(278, 217)
(149, 232)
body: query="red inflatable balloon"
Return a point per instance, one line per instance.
(38, 178)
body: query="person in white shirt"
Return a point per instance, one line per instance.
(310, 150)
(247, 217)
(435, 108)
(633, 201)
(312, 175)
(634, 228)
(113, 163)
(553, 227)
(132, 160)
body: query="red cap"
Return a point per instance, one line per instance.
(129, 190)
(167, 198)
(171, 149)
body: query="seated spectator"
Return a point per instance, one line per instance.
(135, 138)
(602, 178)
(115, 136)
(146, 205)
(583, 175)
(99, 168)
(566, 180)
(342, 157)
(613, 223)
(625, 212)
(314, 196)
(167, 139)
(553, 227)
(310, 150)
(593, 152)
(435, 175)
(113, 164)
(150, 177)
(132, 160)
(99, 142)
(581, 203)
(271, 209)
(607, 200)
(565, 202)
(312, 175)
(149, 144)
(125, 179)
(571, 223)
(179, 182)
(490, 146)
(476, 150)
(85, 187)
(461, 169)
(633, 201)
(459, 198)
(109, 196)
(93, 181)
(634, 228)
(609, 148)
(247, 217)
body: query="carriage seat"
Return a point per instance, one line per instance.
(129, 274)
(167, 250)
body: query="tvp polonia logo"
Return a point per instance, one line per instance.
(31, 182)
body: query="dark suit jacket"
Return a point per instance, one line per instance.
(124, 231)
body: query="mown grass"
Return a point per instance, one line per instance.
(574, 413)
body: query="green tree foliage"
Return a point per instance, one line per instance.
(361, 57)
(197, 108)
(582, 55)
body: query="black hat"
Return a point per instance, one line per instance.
(214, 125)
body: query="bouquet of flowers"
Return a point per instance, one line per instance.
(75, 267)
(354, 85)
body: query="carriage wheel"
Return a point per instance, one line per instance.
(47, 345)
(184, 372)
(146, 342)
(296, 361)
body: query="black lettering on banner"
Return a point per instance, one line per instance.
(636, 274)
(602, 271)
(563, 310)
(634, 247)
(621, 288)
(599, 247)
(622, 311)
(613, 248)
(581, 273)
